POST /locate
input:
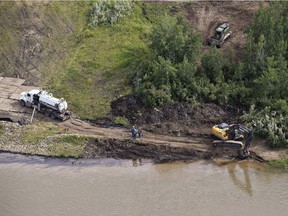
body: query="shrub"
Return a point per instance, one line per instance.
(109, 11)
(271, 125)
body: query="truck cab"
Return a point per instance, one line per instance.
(26, 98)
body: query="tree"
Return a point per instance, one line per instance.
(173, 39)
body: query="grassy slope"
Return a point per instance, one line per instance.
(97, 73)
(9, 35)
(88, 67)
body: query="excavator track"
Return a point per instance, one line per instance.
(228, 143)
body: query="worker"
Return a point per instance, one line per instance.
(139, 132)
(134, 132)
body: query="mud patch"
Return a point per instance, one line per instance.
(206, 16)
(178, 119)
(129, 149)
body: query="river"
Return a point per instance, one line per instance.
(36, 186)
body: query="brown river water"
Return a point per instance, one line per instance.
(37, 186)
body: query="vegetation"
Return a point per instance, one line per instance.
(168, 75)
(67, 146)
(98, 72)
(269, 124)
(120, 120)
(35, 133)
(49, 139)
(108, 11)
(279, 163)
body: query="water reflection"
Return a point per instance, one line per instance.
(244, 184)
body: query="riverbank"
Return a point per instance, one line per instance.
(69, 139)
(178, 131)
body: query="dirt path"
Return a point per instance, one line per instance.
(196, 147)
(81, 127)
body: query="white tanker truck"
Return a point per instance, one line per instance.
(45, 103)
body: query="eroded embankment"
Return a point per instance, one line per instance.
(130, 149)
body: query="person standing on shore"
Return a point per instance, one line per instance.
(140, 133)
(134, 132)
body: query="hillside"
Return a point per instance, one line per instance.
(50, 45)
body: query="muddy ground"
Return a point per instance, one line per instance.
(206, 16)
(178, 131)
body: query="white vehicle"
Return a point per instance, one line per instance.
(45, 103)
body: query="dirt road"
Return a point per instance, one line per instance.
(117, 142)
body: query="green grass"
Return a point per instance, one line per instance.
(283, 163)
(121, 121)
(52, 140)
(10, 34)
(96, 74)
(36, 132)
(67, 146)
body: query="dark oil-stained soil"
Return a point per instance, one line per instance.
(129, 149)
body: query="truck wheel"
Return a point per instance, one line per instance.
(53, 116)
(208, 42)
(47, 113)
(22, 103)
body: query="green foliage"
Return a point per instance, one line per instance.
(170, 76)
(120, 120)
(109, 11)
(172, 39)
(269, 124)
(212, 66)
(67, 146)
(283, 163)
(36, 132)
(266, 55)
(98, 72)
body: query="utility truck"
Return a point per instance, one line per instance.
(45, 103)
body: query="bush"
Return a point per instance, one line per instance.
(109, 11)
(170, 76)
(271, 125)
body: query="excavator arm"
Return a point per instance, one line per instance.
(243, 130)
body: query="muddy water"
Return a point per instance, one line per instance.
(37, 186)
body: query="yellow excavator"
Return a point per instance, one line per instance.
(235, 136)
